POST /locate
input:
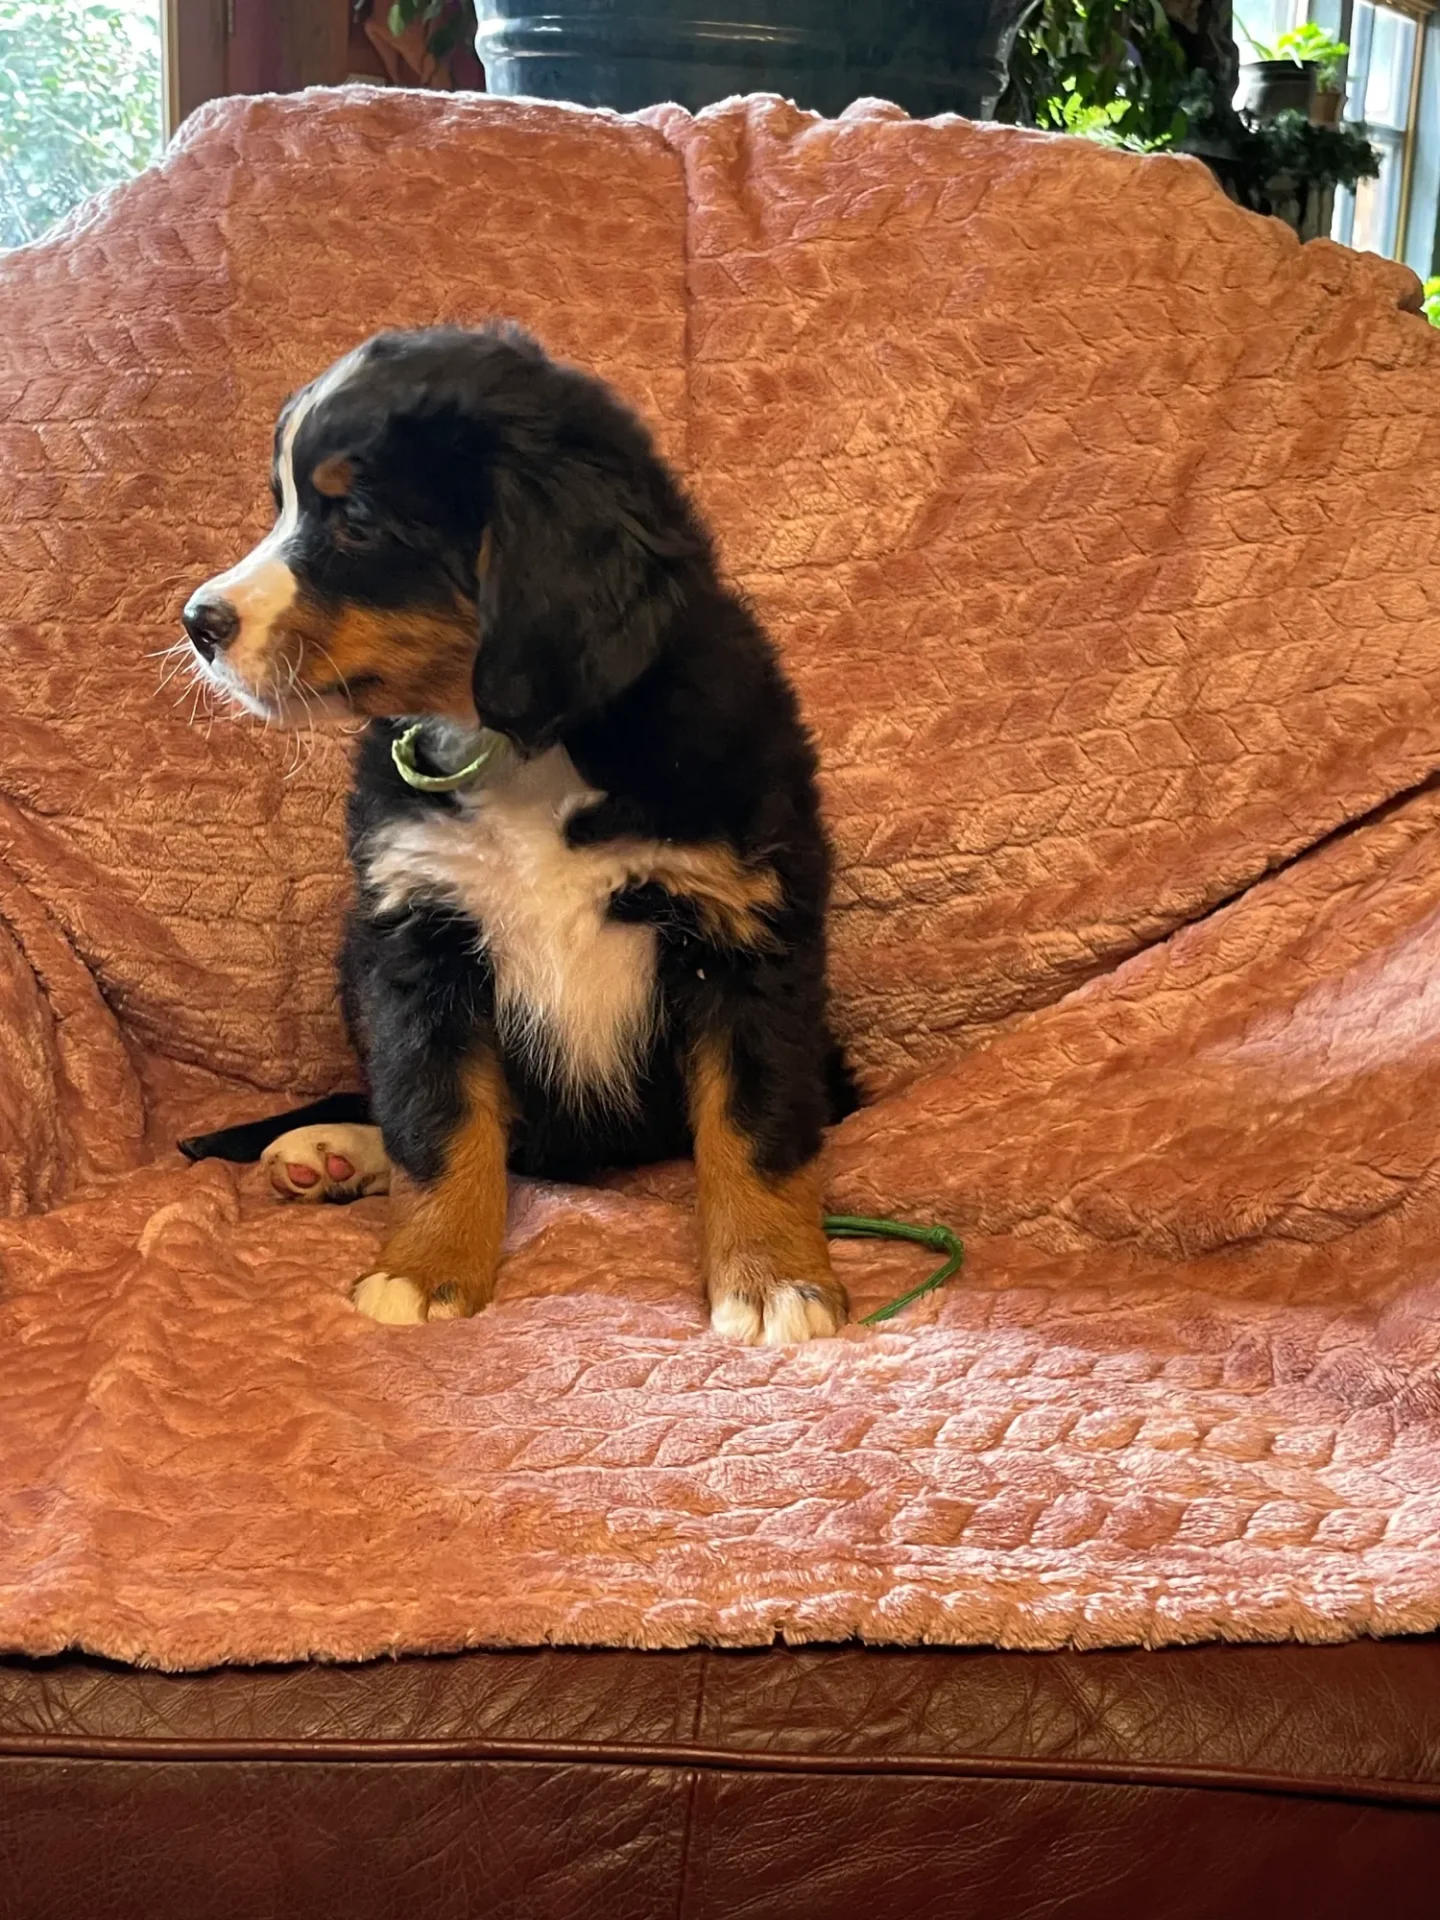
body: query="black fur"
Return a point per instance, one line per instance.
(249, 1141)
(606, 629)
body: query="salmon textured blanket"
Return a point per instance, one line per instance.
(1095, 519)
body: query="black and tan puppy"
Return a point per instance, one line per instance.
(607, 945)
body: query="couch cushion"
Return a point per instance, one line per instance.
(1212, 1783)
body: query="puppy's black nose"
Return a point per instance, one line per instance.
(210, 624)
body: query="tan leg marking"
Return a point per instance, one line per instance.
(763, 1247)
(440, 1262)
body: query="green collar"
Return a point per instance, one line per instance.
(402, 752)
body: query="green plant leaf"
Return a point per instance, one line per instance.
(80, 105)
(1104, 55)
(448, 35)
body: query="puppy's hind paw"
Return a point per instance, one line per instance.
(335, 1163)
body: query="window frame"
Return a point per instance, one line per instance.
(1400, 141)
(1339, 17)
(1420, 11)
(193, 45)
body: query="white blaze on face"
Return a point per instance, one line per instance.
(261, 586)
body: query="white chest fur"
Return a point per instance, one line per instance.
(573, 989)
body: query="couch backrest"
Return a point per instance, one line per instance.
(1092, 514)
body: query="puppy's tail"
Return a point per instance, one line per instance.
(248, 1142)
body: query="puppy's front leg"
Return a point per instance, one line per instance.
(443, 1253)
(766, 1261)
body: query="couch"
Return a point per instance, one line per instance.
(1093, 517)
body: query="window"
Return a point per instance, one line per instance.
(90, 88)
(1383, 80)
(81, 104)
(1259, 23)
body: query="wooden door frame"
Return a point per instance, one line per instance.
(215, 47)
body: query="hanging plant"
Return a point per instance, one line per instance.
(1292, 147)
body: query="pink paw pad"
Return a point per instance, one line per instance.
(338, 1163)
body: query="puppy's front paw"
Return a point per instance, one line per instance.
(398, 1302)
(335, 1163)
(390, 1298)
(777, 1313)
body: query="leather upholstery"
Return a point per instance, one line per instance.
(1210, 1782)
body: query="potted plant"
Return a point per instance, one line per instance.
(1290, 167)
(427, 31)
(1299, 73)
(929, 56)
(1328, 56)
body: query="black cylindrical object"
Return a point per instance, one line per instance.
(1277, 86)
(929, 56)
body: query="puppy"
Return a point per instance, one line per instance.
(601, 941)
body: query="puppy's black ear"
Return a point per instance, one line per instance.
(580, 580)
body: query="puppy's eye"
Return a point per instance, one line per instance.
(353, 529)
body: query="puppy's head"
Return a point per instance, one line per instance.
(464, 528)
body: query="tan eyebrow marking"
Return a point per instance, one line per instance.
(334, 477)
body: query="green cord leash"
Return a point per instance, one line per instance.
(838, 1226)
(857, 1226)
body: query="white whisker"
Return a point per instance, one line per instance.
(309, 723)
(340, 678)
(184, 691)
(170, 672)
(360, 722)
(292, 745)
